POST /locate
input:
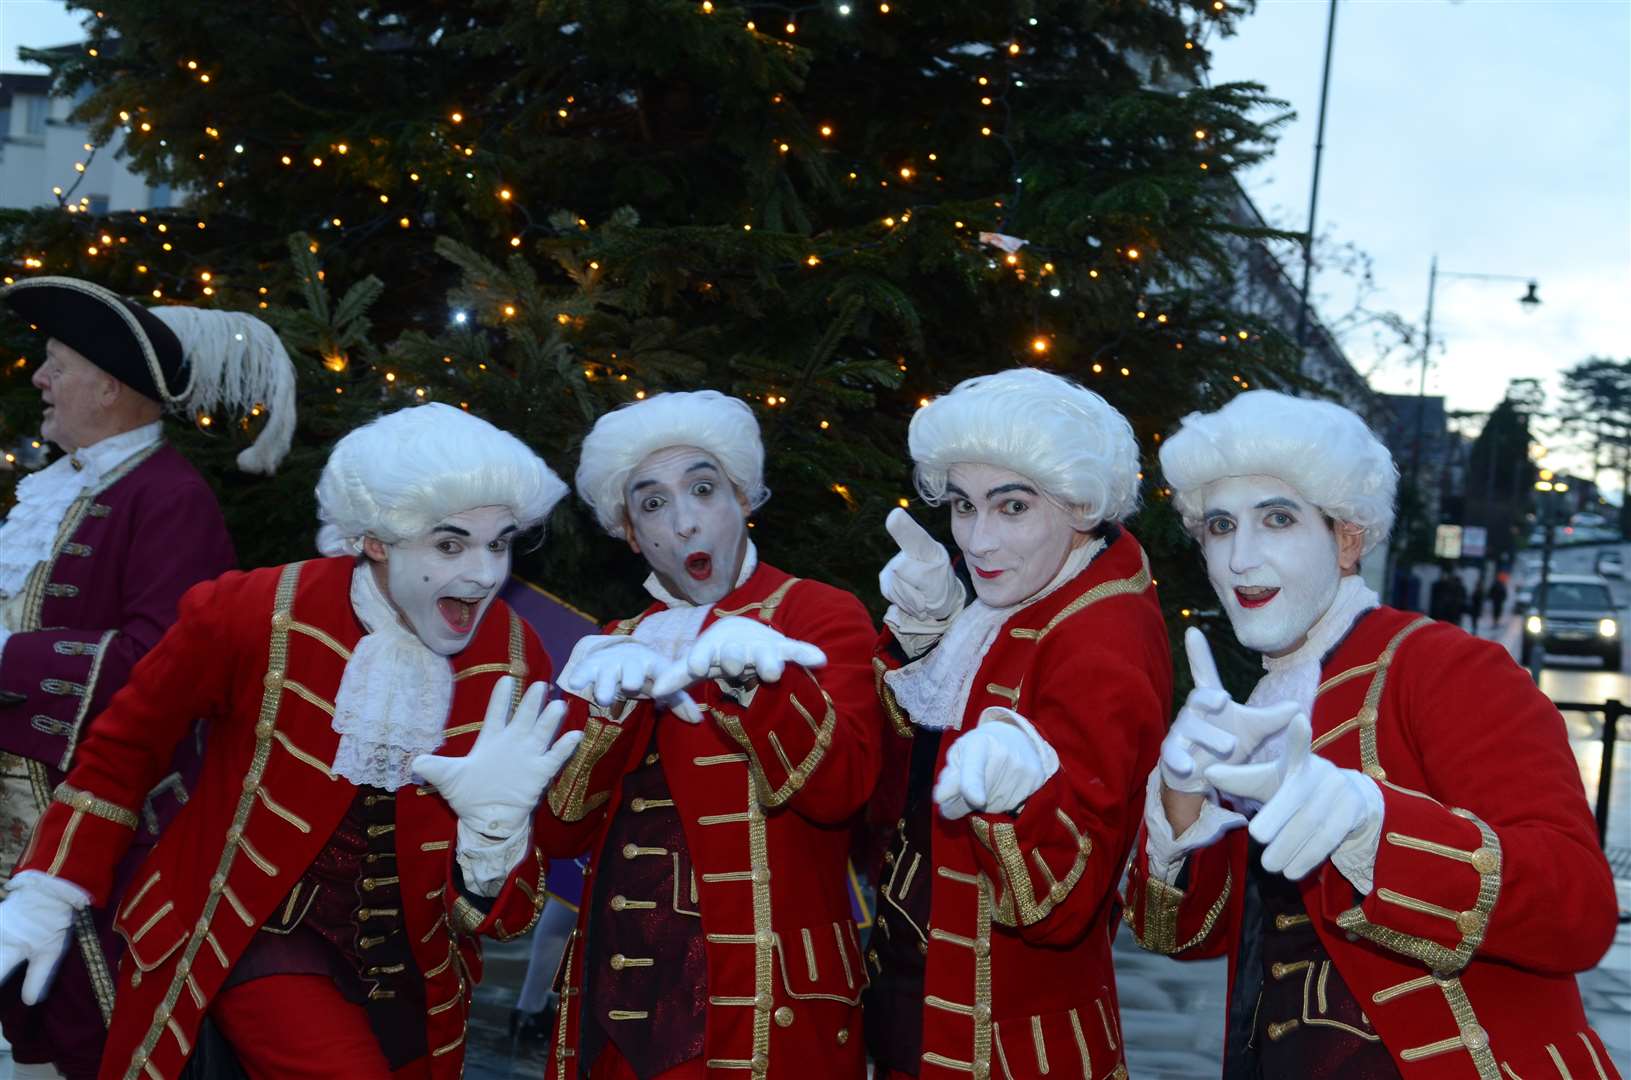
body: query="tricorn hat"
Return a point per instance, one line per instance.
(117, 335)
(184, 358)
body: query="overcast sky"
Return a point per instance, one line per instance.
(1495, 133)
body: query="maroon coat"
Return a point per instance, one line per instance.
(108, 591)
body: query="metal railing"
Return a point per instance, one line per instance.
(1612, 711)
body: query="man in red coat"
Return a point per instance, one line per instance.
(1420, 880)
(94, 559)
(730, 733)
(364, 808)
(1030, 718)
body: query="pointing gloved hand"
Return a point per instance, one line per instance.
(34, 921)
(1212, 728)
(1312, 808)
(604, 668)
(919, 579)
(737, 648)
(994, 768)
(496, 786)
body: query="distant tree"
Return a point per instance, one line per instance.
(1595, 410)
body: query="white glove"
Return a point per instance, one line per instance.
(1311, 807)
(1212, 728)
(606, 667)
(495, 787)
(919, 579)
(737, 648)
(34, 921)
(994, 768)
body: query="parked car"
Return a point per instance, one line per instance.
(1610, 565)
(1575, 615)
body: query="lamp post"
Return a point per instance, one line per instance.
(1529, 300)
(1546, 486)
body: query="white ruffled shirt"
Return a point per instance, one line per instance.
(30, 530)
(1293, 677)
(934, 689)
(392, 706)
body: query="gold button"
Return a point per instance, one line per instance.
(901, 824)
(763, 1001)
(251, 783)
(618, 960)
(1280, 1031)
(1375, 772)
(217, 883)
(281, 621)
(760, 1062)
(923, 948)
(135, 978)
(234, 834)
(630, 851)
(619, 903)
(651, 759)
(843, 1036)
(889, 858)
(824, 738)
(274, 679)
(1485, 860)
(1058, 891)
(1279, 971)
(203, 925)
(638, 805)
(761, 874)
(982, 1070)
(872, 958)
(764, 939)
(795, 781)
(263, 730)
(84, 801)
(982, 1012)
(1474, 1037)
(1469, 922)
(783, 1017)
(982, 947)
(1366, 717)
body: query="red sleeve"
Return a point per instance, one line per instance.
(814, 738)
(1188, 920)
(1498, 856)
(1099, 698)
(175, 540)
(128, 748)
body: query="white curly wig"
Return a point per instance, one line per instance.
(395, 477)
(1318, 447)
(1061, 435)
(706, 419)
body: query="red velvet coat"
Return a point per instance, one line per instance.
(765, 789)
(1019, 979)
(260, 656)
(1490, 890)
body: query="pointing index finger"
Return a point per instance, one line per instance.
(1202, 668)
(912, 538)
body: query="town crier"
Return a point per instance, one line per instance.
(1025, 724)
(372, 766)
(1419, 880)
(730, 734)
(94, 558)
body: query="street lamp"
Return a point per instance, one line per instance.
(1548, 484)
(1529, 301)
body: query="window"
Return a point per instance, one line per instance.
(37, 108)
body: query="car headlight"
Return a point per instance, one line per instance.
(1533, 624)
(1608, 628)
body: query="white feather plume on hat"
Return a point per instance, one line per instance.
(238, 362)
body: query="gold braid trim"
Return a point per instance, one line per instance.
(1104, 590)
(797, 776)
(1021, 906)
(568, 795)
(1472, 923)
(891, 707)
(85, 701)
(85, 802)
(1161, 904)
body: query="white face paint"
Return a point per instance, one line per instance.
(1272, 559)
(443, 582)
(1014, 538)
(686, 518)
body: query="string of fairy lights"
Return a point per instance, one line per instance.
(993, 86)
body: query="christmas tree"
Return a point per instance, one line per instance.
(539, 209)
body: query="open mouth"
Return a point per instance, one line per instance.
(460, 615)
(1255, 596)
(700, 566)
(988, 574)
